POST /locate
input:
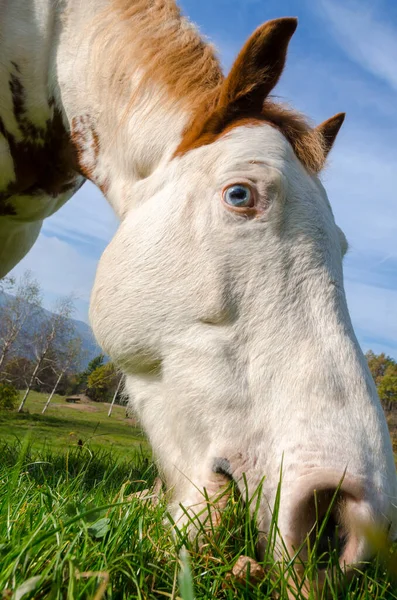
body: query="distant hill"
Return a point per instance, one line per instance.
(90, 348)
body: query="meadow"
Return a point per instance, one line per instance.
(64, 424)
(73, 527)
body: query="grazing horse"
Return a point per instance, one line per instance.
(221, 295)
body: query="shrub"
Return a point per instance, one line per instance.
(102, 383)
(8, 396)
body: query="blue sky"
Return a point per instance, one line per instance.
(343, 57)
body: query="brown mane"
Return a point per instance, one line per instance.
(153, 33)
(305, 140)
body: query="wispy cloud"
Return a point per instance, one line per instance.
(86, 218)
(365, 34)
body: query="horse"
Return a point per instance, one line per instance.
(221, 296)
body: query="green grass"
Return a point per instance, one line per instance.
(68, 531)
(63, 424)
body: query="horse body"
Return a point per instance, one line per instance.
(221, 295)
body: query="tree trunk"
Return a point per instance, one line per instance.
(4, 353)
(114, 397)
(37, 367)
(53, 392)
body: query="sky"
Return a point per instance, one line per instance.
(343, 57)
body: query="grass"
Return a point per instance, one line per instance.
(69, 530)
(63, 424)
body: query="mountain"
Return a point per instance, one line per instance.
(90, 348)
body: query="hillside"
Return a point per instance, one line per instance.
(90, 348)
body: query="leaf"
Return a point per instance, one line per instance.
(28, 586)
(100, 528)
(92, 516)
(73, 509)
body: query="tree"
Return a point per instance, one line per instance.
(68, 358)
(102, 383)
(18, 371)
(387, 388)
(18, 310)
(82, 378)
(384, 371)
(115, 395)
(49, 338)
(378, 364)
(8, 396)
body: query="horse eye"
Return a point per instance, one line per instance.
(238, 196)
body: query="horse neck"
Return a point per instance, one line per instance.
(126, 114)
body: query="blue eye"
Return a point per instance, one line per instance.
(238, 196)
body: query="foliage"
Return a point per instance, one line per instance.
(378, 364)
(387, 387)
(81, 382)
(384, 371)
(69, 528)
(102, 383)
(8, 396)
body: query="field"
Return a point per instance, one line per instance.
(64, 424)
(72, 526)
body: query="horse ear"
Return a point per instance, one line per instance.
(329, 130)
(259, 65)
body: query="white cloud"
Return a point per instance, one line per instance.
(365, 36)
(86, 217)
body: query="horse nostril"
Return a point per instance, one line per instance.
(327, 524)
(327, 537)
(317, 527)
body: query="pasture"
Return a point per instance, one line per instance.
(64, 424)
(71, 527)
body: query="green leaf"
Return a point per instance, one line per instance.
(91, 517)
(73, 509)
(100, 528)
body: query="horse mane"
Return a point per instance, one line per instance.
(215, 120)
(154, 34)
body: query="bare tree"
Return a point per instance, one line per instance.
(19, 306)
(50, 336)
(115, 395)
(69, 357)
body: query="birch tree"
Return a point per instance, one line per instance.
(49, 337)
(66, 360)
(21, 302)
(115, 395)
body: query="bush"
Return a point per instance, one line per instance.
(102, 383)
(8, 396)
